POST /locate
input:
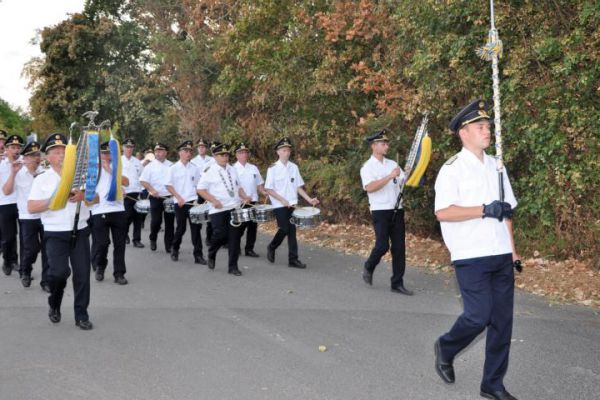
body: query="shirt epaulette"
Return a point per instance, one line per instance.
(207, 168)
(451, 159)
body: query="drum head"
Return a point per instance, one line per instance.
(264, 207)
(306, 212)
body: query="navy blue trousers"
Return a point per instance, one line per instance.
(389, 229)
(487, 288)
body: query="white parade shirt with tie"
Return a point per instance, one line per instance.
(467, 182)
(284, 179)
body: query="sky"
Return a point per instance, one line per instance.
(20, 20)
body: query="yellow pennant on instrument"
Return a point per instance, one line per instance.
(67, 174)
(422, 162)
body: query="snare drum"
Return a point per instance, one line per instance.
(241, 215)
(199, 213)
(263, 213)
(306, 217)
(142, 206)
(169, 205)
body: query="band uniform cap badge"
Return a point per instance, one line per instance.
(473, 112)
(129, 142)
(14, 139)
(283, 142)
(378, 136)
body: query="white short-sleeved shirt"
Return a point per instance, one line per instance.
(219, 181)
(202, 162)
(284, 179)
(22, 187)
(43, 188)
(157, 174)
(132, 169)
(467, 182)
(386, 197)
(5, 169)
(104, 206)
(184, 179)
(250, 178)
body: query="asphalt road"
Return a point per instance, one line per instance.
(180, 331)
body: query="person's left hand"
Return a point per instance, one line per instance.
(76, 196)
(314, 201)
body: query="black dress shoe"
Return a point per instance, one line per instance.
(367, 276)
(235, 272)
(7, 269)
(211, 263)
(270, 255)
(99, 274)
(127, 240)
(120, 279)
(444, 369)
(84, 325)
(175, 255)
(497, 395)
(251, 253)
(402, 290)
(199, 260)
(296, 264)
(45, 287)
(26, 280)
(138, 244)
(54, 315)
(152, 246)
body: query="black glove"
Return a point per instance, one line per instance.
(507, 211)
(494, 210)
(518, 266)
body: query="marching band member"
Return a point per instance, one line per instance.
(132, 169)
(202, 161)
(108, 217)
(58, 241)
(477, 230)
(381, 178)
(31, 229)
(8, 205)
(283, 184)
(252, 183)
(219, 185)
(3, 136)
(183, 179)
(154, 179)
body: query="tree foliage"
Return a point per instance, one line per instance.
(327, 72)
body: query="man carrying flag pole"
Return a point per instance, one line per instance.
(475, 214)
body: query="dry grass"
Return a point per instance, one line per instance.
(573, 281)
